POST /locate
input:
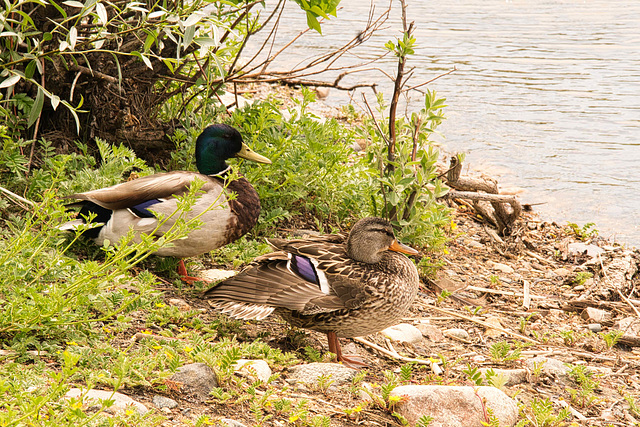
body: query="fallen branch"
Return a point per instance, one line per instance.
(479, 322)
(481, 190)
(508, 293)
(393, 354)
(17, 199)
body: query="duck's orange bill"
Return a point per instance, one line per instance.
(399, 247)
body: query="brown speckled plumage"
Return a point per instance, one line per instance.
(369, 286)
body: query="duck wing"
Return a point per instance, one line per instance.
(151, 187)
(304, 276)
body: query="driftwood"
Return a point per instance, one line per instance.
(500, 210)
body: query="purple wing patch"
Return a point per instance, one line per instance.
(304, 268)
(141, 208)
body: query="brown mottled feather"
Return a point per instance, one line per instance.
(363, 297)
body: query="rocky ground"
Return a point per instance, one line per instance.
(533, 316)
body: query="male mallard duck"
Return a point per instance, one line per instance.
(342, 289)
(125, 206)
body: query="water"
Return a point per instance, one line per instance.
(546, 96)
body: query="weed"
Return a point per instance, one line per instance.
(523, 323)
(474, 374)
(540, 413)
(502, 351)
(585, 232)
(424, 421)
(569, 337)
(443, 295)
(581, 277)
(584, 395)
(611, 338)
(324, 382)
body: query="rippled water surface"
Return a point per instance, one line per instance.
(546, 96)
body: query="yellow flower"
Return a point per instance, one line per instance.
(72, 343)
(293, 418)
(148, 332)
(446, 251)
(156, 347)
(453, 225)
(394, 399)
(160, 305)
(188, 349)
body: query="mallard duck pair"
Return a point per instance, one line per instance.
(127, 206)
(344, 289)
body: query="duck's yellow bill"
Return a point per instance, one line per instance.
(399, 247)
(247, 153)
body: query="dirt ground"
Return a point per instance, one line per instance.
(529, 289)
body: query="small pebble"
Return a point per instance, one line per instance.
(457, 333)
(595, 327)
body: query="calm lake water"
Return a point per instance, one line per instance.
(546, 96)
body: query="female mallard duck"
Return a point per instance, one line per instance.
(342, 289)
(126, 206)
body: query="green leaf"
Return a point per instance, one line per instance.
(10, 81)
(73, 3)
(312, 22)
(36, 109)
(30, 69)
(189, 32)
(102, 13)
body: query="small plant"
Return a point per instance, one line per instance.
(523, 323)
(474, 374)
(406, 371)
(569, 337)
(324, 382)
(583, 396)
(585, 232)
(424, 421)
(496, 380)
(494, 279)
(353, 413)
(634, 408)
(539, 413)
(611, 338)
(501, 351)
(581, 277)
(473, 311)
(444, 294)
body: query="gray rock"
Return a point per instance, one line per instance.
(504, 268)
(430, 332)
(403, 332)
(164, 402)
(216, 274)
(180, 303)
(629, 325)
(256, 369)
(595, 327)
(457, 333)
(121, 402)
(580, 248)
(595, 315)
(512, 376)
(310, 373)
(454, 406)
(196, 378)
(230, 423)
(551, 367)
